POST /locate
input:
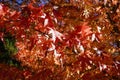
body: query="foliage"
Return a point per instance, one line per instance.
(66, 39)
(12, 73)
(8, 50)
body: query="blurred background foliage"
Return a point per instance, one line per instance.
(8, 50)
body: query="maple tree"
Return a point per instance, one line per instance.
(65, 39)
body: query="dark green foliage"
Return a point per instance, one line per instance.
(8, 50)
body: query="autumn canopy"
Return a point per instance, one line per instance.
(61, 39)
